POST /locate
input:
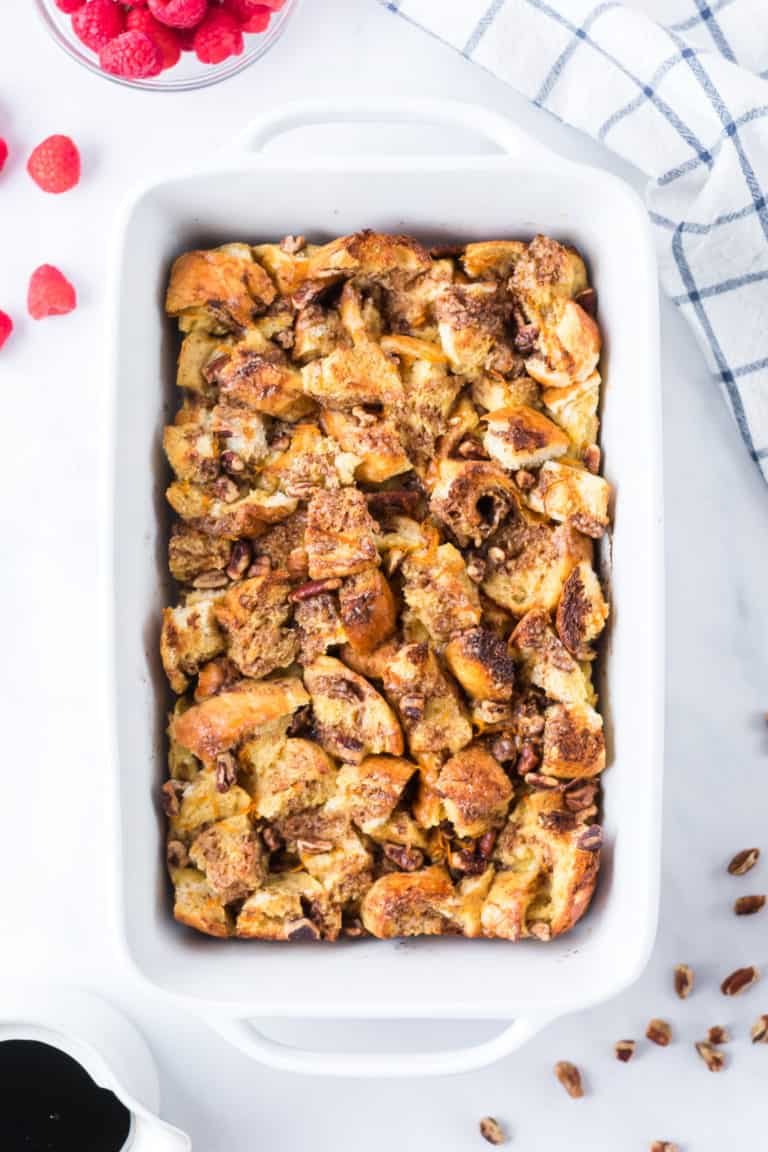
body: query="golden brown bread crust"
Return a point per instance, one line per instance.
(385, 473)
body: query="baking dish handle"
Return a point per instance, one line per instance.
(243, 1034)
(445, 113)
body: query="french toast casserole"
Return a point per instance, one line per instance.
(387, 491)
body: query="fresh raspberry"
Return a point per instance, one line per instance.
(218, 37)
(251, 17)
(50, 293)
(167, 39)
(3, 153)
(69, 6)
(98, 22)
(275, 5)
(55, 164)
(6, 327)
(178, 13)
(133, 55)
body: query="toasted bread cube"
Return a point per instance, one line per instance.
(344, 869)
(190, 636)
(301, 776)
(256, 756)
(197, 905)
(575, 409)
(263, 381)
(439, 592)
(310, 461)
(528, 561)
(220, 288)
(191, 552)
(433, 716)
(182, 765)
(244, 516)
(546, 662)
(547, 273)
(557, 856)
(430, 394)
(567, 493)
(482, 665)
(400, 829)
(288, 269)
(413, 348)
(374, 255)
(368, 609)
(476, 791)
(319, 626)
(472, 894)
(339, 536)
(492, 259)
(471, 323)
(243, 436)
(290, 906)
(567, 348)
(410, 303)
(493, 392)
(202, 803)
(190, 446)
(282, 542)
(370, 791)
(198, 351)
(582, 611)
(253, 615)
(472, 497)
(502, 915)
(226, 720)
(231, 855)
(317, 332)
(352, 376)
(574, 744)
(359, 314)
(409, 904)
(374, 443)
(352, 719)
(521, 437)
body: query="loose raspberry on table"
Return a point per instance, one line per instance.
(167, 39)
(50, 293)
(6, 327)
(133, 55)
(178, 13)
(69, 6)
(3, 153)
(55, 164)
(218, 37)
(251, 17)
(98, 22)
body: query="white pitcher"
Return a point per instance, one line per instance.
(104, 1043)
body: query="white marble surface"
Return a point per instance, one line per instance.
(57, 920)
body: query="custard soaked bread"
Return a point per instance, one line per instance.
(386, 478)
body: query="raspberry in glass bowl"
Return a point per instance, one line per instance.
(166, 45)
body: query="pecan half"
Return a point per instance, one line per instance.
(759, 1030)
(712, 1057)
(528, 760)
(625, 1050)
(407, 859)
(541, 783)
(503, 749)
(748, 905)
(170, 797)
(491, 1130)
(659, 1032)
(226, 772)
(570, 1078)
(739, 981)
(591, 839)
(718, 1035)
(314, 588)
(664, 1146)
(239, 559)
(486, 844)
(743, 861)
(314, 847)
(212, 579)
(683, 981)
(579, 795)
(176, 854)
(557, 821)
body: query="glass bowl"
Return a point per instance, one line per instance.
(189, 73)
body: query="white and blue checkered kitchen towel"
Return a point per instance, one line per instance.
(679, 88)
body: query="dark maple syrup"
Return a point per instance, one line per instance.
(49, 1103)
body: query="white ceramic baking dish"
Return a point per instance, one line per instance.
(515, 190)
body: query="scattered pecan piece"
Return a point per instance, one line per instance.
(683, 981)
(579, 795)
(759, 1030)
(557, 821)
(528, 760)
(170, 797)
(664, 1146)
(659, 1032)
(570, 1078)
(712, 1057)
(486, 844)
(407, 859)
(503, 749)
(399, 500)
(226, 772)
(591, 839)
(718, 1035)
(525, 339)
(468, 862)
(491, 1130)
(743, 861)
(176, 854)
(239, 559)
(625, 1050)
(212, 579)
(314, 847)
(472, 450)
(748, 905)
(314, 588)
(541, 783)
(739, 981)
